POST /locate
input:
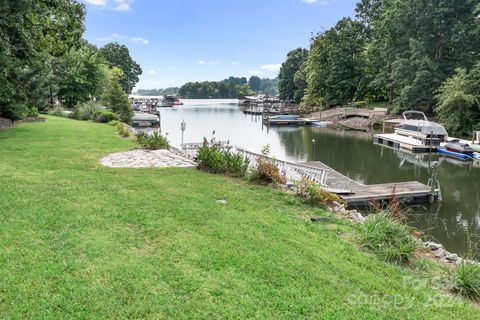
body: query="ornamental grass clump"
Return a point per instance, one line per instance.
(388, 238)
(123, 130)
(154, 141)
(466, 279)
(86, 111)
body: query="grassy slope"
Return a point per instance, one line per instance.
(80, 240)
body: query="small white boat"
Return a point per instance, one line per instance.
(457, 146)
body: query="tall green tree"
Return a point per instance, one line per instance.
(287, 88)
(118, 55)
(115, 97)
(32, 35)
(417, 44)
(458, 101)
(255, 83)
(336, 65)
(225, 89)
(81, 76)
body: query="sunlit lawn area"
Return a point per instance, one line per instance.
(78, 240)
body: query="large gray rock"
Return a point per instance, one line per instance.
(356, 216)
(433, 246)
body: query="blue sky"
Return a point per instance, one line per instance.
(176, 41)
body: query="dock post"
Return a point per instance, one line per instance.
(183, 127)
(434, 185)
(431, 141)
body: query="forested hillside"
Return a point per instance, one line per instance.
(412, 54)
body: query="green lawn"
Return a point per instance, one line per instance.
(81, 241)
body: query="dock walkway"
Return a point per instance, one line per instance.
(343, 113)
(362, 195)
(354, 193)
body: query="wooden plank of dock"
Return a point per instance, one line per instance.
(362, 195)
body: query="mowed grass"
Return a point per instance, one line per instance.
(78, 240)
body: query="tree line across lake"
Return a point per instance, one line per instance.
(45, 62)
(231, 88)
(412, 54)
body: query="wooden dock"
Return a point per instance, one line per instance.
(398, 142)
(299, 121)
(362, 195)
(254, 110)
(354, 193)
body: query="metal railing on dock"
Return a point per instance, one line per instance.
(292, 171)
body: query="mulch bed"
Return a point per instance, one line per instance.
(7, 123)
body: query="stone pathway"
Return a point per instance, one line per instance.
(146, 159)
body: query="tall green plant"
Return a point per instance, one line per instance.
(466, 280)
(115, 98)
(213, 160)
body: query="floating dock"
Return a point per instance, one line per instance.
(362, 195)
(299, 121)
(142, 119)
(398, 142)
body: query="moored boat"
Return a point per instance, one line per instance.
(458, 155)
(427, 132)
(170, 101)
(457, 146)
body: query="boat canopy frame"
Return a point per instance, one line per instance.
(406, 113)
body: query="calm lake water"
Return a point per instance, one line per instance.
(455, 222)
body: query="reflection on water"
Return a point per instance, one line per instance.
(452, 222)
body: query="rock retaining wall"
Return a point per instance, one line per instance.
(5, 123)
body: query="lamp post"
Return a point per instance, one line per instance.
(183, 125)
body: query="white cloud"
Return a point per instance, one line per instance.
(117, 37)
(234, 63)
(152, 72)
(117, 5)
(272, 67)
(323, 2)
(122, 5)
(99, 3)
(139, 40)
(208, 62)
(255, 72)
